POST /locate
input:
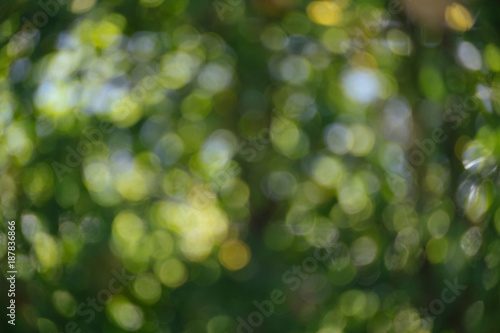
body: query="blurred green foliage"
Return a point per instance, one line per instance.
(207, 147)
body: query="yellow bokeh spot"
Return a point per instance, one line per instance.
(172, 273)
(237, 195)
(82, 6)
(39, 183)
(64, 303)
(399, 42)
(458, 17)
(351, 195)
(162, 244)
(336, 40)
(364, 140)
(436, 250)
(199, 229)
(46, 251)
(492, 57)
(124, 313)
(18, 143)
(147, 288)
(285, 135)
(151, 3)
(177, 69)
(131, 185)
(104, 34)
(127, 231)
(126, 111)
(328, 172)
(45, 325)
(353, 303)
(234, 255)
(363, 60)
(438, 224)
(324, 13)
(97, 176)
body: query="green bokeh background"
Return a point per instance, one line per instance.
(209, 147)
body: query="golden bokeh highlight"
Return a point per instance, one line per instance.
(458, 17)
(324, 13)
(234, 255)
